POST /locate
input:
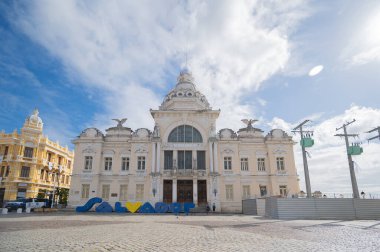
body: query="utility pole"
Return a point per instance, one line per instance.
(378, 132)
(299, 129)
(354, 183)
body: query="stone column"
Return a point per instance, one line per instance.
(195, 191)
(158, 162)
(211, 157)
(174, 193)
(215, 157)
(194, 161)
(153, 156)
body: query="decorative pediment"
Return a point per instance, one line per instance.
(279, 149)
(261, 153)
(91, 132)
(244, 153)
(125, 153)
(227, 151)
(141, 149)
(142, 133)
(30, 144)
(108, 153)
(89, 149)
(227, 134)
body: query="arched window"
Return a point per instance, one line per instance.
(185, 134)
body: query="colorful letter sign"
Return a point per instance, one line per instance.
(135, 207)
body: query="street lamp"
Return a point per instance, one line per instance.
(154, 192)
(215, 192)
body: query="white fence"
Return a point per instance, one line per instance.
(314, 208)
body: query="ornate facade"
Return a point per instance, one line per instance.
(31, 163)
(183, 159)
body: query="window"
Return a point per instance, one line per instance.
(185, 134)
(69, 164)
(42, 174)
(2, 171)
(227, 163)
(25, 172)
(125, 163)
(263, 191)
(123, 192)
(21, 193)
(49, 156)
(229, 192)
(28, 152)
(280, 164)
(283, 191)
(246, 192)
(261, 164)
(87, 162)
(168, 160)
(139, 192)
(59, 160)
(140, 163)
(7, 171)
(67, 179)
(105, 192)
(6, 151)
(185, 159)
(244, 164)
(85, 191)
(46, 176)
(107, 163)
(62, 179)
(201, 160)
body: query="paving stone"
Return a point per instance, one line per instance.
(111, 232)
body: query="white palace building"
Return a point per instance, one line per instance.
(184, 159)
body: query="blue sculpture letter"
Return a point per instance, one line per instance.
(104, 207)
(119, 208)
(187, 206)
(90, 203)
(147, 208)
(161, 207)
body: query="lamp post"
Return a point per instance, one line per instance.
(52, 198)
(215, 192)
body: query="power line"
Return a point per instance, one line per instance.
(372, 130)
(354, 183)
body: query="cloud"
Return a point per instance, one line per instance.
(371, 55)
(364, 47)
(121, 47)
(328, 166)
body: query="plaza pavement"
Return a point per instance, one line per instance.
(69, 231)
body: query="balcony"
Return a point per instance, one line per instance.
(184, 172)
(281, 173)
(26, 159)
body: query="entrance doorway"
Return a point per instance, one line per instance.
(202, 193)
(2, 192)
(184, 191)
(168, 191)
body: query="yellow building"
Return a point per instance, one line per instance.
(31, 164)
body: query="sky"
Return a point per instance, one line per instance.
(82, 63)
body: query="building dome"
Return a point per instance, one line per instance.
(185, 96)
(35, 119)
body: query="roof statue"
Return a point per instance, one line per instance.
(120, 122)
(249, 122)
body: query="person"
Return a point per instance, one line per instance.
(207, 208)
(213, 207)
